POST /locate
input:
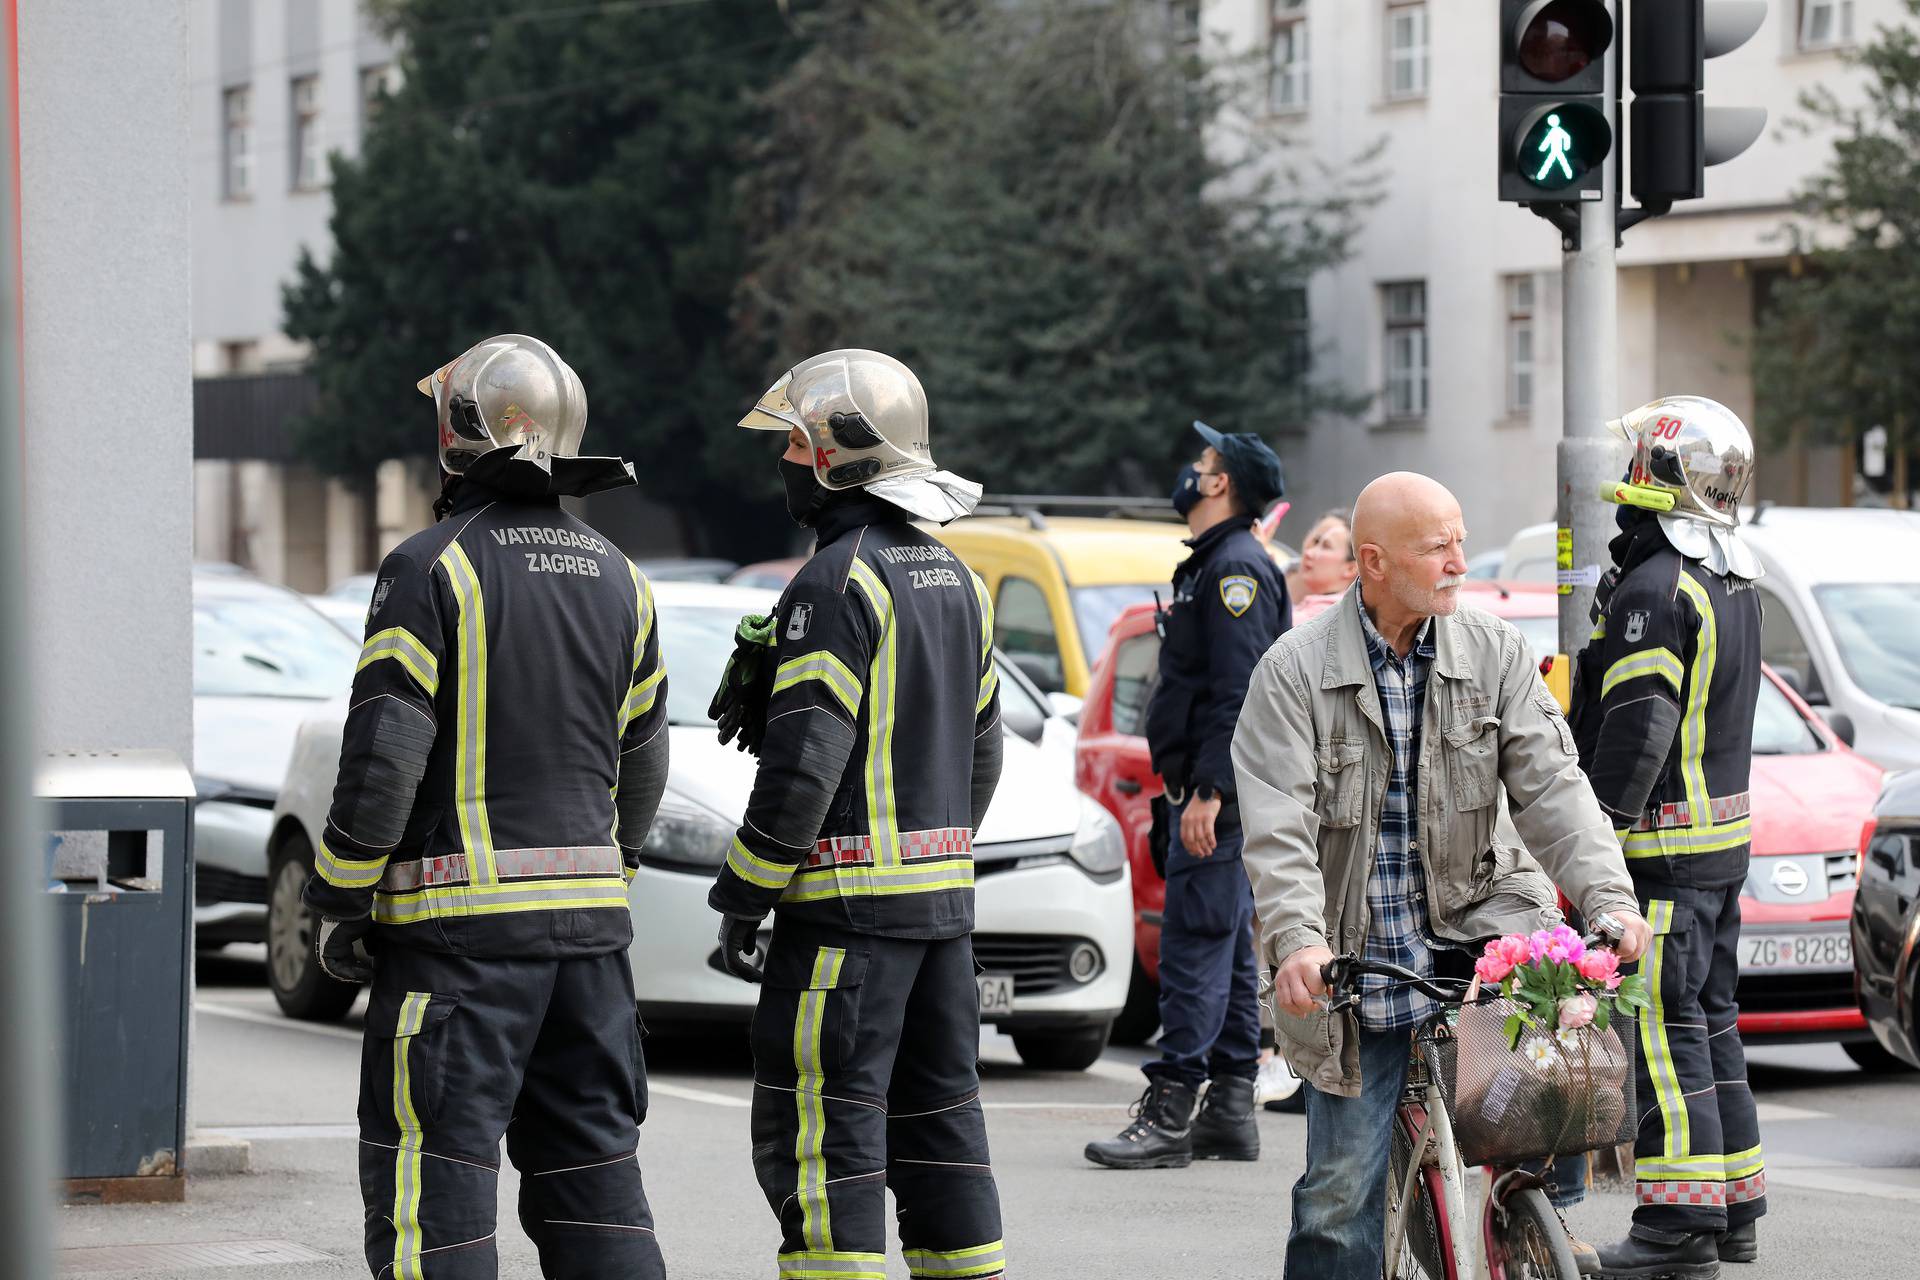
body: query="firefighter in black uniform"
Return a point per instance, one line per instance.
(1229, 605)
(502, 759)
(879, 745)
(1663, 716)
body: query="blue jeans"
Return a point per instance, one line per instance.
(1340, 1202)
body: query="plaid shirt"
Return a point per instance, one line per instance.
(1397, 884)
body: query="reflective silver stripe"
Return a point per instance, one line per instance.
(450, 901)
(587, 860)
(1680, 814)
(935, 842)
(819, 1264)
(982, 1261)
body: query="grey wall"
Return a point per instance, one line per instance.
(109, 405)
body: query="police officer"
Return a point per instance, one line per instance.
(1229, 605)
(1663, 717)
(879, 746)
(501, 762)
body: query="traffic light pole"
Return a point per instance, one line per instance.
(1587, 456)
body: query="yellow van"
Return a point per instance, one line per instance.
(1058, 582)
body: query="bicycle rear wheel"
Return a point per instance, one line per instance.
(1421, 1255)
(1530, 1241)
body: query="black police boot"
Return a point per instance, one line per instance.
(1742, 1244)
(1161, 1135)
(1224, 1129)
(1647, 1254)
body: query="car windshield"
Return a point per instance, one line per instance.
(1778, 729)
(1095, 608)
(266, 646)
(1874, 625)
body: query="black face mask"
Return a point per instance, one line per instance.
(804, 494)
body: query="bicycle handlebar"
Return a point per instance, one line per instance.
(1340, 972)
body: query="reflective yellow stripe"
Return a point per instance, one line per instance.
(1744, 1164)
(347, 873)
(1679, 841)
(1705, 1168)
(640, 699)
(879, 882)
(1693, 725)
(643, 603)
(455, 901)
(989, 679)
(1660, 662)
(809, 1144)
(828, 670)
(824, 1264)
(988, 684)
(883, 821)
(756, 870)
(958, 1264)
(1653, 1038)
(470, 740)
(406, 1170)
(405, 648)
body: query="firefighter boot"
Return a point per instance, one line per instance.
(1224, 1129)
(1742, 1244)
(1647, 1254)
(1161, 1135)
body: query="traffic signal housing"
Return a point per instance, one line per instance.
(1554, 137)
(1674, 135)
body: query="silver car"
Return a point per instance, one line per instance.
(262, 662)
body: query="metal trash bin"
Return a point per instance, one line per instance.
(119, 879)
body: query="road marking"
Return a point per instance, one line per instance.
(696, 1095)
(1822, 1180)
(1771, 1112)
(283, 1132)
(275, 1020)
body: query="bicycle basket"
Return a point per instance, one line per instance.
(1556, 1094)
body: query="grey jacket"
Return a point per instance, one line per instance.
(1312, 758)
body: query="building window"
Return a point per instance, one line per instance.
(1405, 308)
(1406, 49)
(1519, 345)
(1826, 24)
(376, 85)
(309, 155)
(237, 114)
(1295, 343)
(1287, 57)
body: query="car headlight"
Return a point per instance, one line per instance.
(687, 833)
(1098, 845)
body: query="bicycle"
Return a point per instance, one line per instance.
(1430, 1231)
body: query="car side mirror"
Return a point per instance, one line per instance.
(1842, 725)
(1066, 706)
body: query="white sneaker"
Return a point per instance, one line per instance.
(1275, 1082)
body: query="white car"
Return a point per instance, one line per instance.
(1055, 909)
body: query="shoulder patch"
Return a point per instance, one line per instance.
(1237, 591)
(380, 590)
(799, 618)
(1636, 625)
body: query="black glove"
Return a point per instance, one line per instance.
(341, 948)
(739, 705)
(740, 947)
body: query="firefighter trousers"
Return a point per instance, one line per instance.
(1697, 1161)
(866, 1080)
(461, 1051)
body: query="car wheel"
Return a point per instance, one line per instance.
(1065, 1050)
(1140, 1018)
(299, 987)
(1868, 1055)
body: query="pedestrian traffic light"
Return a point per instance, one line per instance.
(1553, 122)
(1674, 135)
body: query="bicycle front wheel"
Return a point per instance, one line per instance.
(1529, 1240)
(1414, 1217)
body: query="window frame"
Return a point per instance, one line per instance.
(1522, 317)
(236, 142)
(1129, 715)
(1841, 16)
(308, 170)
(1418, 57)
(1411, 325)
(376, 79)
(1288, 19)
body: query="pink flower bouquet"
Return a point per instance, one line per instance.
(1557, 983)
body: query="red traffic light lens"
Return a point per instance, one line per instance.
(1563, 37)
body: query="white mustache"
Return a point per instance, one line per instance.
(1448, 582)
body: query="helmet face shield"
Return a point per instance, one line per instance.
(774, 411)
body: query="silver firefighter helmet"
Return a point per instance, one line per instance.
(1692, 463)
(865, 414)
(510, 391)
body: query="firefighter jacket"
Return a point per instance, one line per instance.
(1663, 710)
(1229, 605)
(505, 744)
(883, 737)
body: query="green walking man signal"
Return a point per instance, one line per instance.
(1555, 143)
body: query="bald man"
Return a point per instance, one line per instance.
(1370, 756)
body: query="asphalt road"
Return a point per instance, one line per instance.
(1843, 1154)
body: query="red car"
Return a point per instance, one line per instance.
(1811, 795)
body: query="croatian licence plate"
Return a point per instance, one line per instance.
(996, 994)
(1796, 952)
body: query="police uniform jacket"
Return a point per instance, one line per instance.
(504, 747)
(883, 737)
(1663, 710)
(1229, 604)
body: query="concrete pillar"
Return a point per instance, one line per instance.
(403, 501)
(304, 509)
(346, 531)
(260, 544)
(213, 512)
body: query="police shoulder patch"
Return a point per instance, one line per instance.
(1237, 591)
